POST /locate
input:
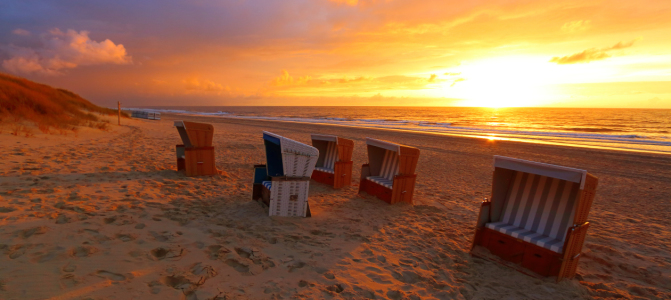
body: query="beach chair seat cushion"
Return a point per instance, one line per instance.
(539, 210)
(388, 183)
(326, 170)
(529, 236)
(388, 170)
(268, 184)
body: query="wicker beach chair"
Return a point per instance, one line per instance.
(536, 218)
(283, 182)
(390, 171)
(334, 165)
(196, 155)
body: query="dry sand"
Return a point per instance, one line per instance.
(105, 216)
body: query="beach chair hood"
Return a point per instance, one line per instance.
(286, 157)
(388, 159)
(195, 134)
(542, 169)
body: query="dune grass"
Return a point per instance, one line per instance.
(50, 109)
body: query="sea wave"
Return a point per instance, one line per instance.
(577, 135)
(178, 111)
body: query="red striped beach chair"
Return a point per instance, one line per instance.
(334, 164)
(196, 156)
(536, 218)
(284, 181)
(390, 171)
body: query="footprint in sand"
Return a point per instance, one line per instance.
(161, 253)
(26, 233)
(69, 268)
(119, 220)
(16, 251)
(162, 237)
(238, 266)
(177, 282)
(68, 281)
(48, 255)
(407, 277)
(201, 270)
(62, 219)
(110, 275)
(83, 251)
(296, 265)
(7, 209)
(217, 251)
(125, 237)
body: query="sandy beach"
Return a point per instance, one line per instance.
(104, 215)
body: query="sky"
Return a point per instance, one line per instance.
(493, 53)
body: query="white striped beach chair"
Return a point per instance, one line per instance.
(537, 216)
(390, 171)
(283, 182)
(334, 164)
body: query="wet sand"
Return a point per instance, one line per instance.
(104, 215)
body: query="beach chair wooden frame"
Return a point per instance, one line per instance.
(536, 218)
(196, 155)
(334, 164)
(284, 181)
(390, 172)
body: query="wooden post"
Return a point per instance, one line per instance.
(119, 111)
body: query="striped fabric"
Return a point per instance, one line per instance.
(538, 210)
(382, 181)
(528, 236)
(331, 156)
(388, 170)
(389, 165)
(268, 184)
(325, 170)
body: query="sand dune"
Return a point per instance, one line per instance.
(105, 216)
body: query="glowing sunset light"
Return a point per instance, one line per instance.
(348, 52)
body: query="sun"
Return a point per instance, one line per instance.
(503, 82)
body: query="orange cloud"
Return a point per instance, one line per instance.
(287, 85)
(197, 85)
(286, 79)
(591, 54)
(347, 2)
(64, 50)
(576, 26)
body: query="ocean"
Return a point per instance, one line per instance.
(646, 130)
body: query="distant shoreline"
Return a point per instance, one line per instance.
(470, 136)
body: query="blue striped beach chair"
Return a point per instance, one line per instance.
(536, 218)
(283, 182)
